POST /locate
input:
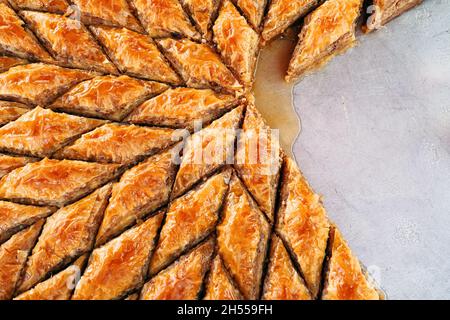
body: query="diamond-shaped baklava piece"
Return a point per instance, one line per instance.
(136, 54)
(219, 285)
(327, 31)
(67, 234)
(140, 191)
(13, 256)
(253, 10)
(203, 13)
(7, 62)
(282, 280)
(344, 279)
(282, 14)
(10, 111)
(107, 97)
(15, 217)
(237, 42)
(56, 6)
(182, 107)
(15, 39)
(120, 266)
(207, 150)
(303, 224)
(242, 239)
(41, 132)
(190, 219)
(258, 160)
(183, 279)
(107, 12)
(165, 18)
(69, 41)
(55, 182)
(8, 163)
(117, 143)
(199, 65)
(39, 84)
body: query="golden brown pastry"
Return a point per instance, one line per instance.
(190, 219)
(253, 10)
(13, 256)
(39, 84)
(303, 224)
(199, 65)
(69, 41)
(10, 111)
(54, 182)
(7, 62)
(181, 107)
(107, 97)
(282, 14)
(203, 13)
(219, 285)
(116, 143)
(67, 234)
(207, 150)
(9, 163)
(242, 239)
(165, 18)
(15, 217)
(344, 279)
(56, 6)
(41, 132)
(258, 160)
(120, 266)
(327, 31)
(140, 191)
(282, 280)
(237, 42)
(136, 54)
(183, 279)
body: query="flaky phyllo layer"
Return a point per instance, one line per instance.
(134, 163)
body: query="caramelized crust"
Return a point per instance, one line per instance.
(55, 182)
(303, 224)
(253, 10)
(237, 42)
(189, 220)
(9, 62)
(69, 41)
(10, 111)
(120, 266)
(140, 191)
(115, 143)
(67, 234)
(282, 280)
(41, 132)
(183, 279)
(220, 286)
(242, 238)
(165, 18)
(345, 279)
(15, 217)
(327, 31)
(199, 65)
(56, 6)
(136, 54)
(39, 84)
(13, 256)
(182, 107)
(202, 12)
(207, 150)
(258, 160)
(9, 163)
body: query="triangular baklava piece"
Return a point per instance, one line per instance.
(183, 279)
(344, 279)
(327, 31)
(220, 286)
(190, 219)
(303, 224)
(120, 266)
(140, 191)
(13, 256)
(136, 54)
(54, 182)
(203, 12)
(107, 97)
(69, 41)
(39, 84)
(10, 111)
(199, 65)
(8, 163)
(282, 280)
(41, 132)
(56, 6)
(207, 150)
(253, 10)
(242, 239)
(7, 62)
